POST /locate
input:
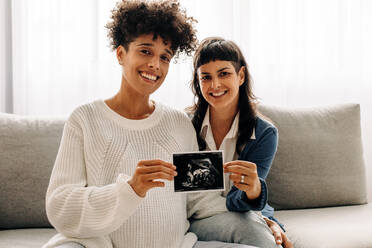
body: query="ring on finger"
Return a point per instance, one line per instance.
(242, 178)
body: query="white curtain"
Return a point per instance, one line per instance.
(60, 55)
(300, 53)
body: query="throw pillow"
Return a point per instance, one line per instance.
(28, 148)
(319, 161)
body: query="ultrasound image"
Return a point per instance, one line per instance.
(198, 171)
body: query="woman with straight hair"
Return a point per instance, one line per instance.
(225, 118)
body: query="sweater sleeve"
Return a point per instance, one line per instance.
(81, 211)
(262, 154)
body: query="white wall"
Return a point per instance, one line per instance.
(5, 57)
(2, 56)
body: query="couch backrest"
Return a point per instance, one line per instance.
(319, 161)
(28, 148)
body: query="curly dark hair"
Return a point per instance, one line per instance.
(132, 18)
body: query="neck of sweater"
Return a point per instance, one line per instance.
(141, 124)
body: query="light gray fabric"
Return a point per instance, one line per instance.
(26, 238)
(217, 244)
(244, 228)
(319, 161)
(340, 227)
(28, 148)
(335, 227)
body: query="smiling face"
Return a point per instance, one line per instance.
(144, 64)
(219, 83)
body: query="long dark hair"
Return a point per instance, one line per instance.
(216, 48)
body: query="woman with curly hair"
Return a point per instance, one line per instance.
(225, 118)
(111, 182)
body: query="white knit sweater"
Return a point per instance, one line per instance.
(88, 198)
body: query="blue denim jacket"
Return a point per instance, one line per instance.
(260, 151)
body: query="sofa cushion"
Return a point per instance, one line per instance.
(335, 227)
(28, 148)
(319, 161)
(26, 238)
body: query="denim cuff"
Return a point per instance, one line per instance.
(238, 201)
(259, 203)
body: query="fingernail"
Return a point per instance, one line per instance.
(175, 173)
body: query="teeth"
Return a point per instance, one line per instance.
(219, 93)
(148, 76)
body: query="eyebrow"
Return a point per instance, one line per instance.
(223, 69)
(151, 45)
(217, 70)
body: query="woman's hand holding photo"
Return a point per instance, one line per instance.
(245, 177)
(147, 172)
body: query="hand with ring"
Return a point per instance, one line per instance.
(245, 177)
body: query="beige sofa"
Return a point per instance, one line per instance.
(317, 182)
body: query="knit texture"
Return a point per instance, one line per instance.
(88, 198)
